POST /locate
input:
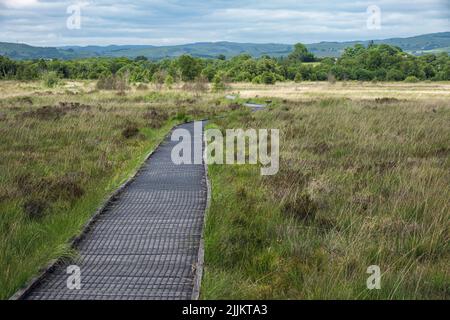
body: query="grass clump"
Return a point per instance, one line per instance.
(156, 118)
(35, 208)
(301, 207)
(130, 131)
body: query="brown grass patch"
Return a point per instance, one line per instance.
(54, 112)
(130, 131)
(35, 208)
(156, 118)
(301, 207)
(387, 100)
(66, 188)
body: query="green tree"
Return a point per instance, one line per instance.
(8, 68)
(395, 75)
(301, 53)
(189, 67)
(268, 78)
(363, 74)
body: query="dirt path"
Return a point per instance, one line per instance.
(145, 244)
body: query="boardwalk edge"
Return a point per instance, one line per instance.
(201, 250)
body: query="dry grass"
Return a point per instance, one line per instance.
(351, 89)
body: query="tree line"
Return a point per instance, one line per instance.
(372, 63)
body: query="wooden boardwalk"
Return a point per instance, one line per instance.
(145, 243)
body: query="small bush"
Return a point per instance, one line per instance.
(112, 83)
(218, 84)
(411, 79)
(35, 208)
(66, 188)
(301, 207)
(50, 79)
(130, 131)
(158, 78)
(257, 80)
(268, 78)
(169, 82)
(156, 118)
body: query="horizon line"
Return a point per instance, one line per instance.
(221, 41)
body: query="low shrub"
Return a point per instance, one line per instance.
(35, 208)
(50, 79)
(411, 79)
(301, 207)
(130, 131)
(112, 82)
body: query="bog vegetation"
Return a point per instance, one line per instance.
(362, 182)
(374, 62)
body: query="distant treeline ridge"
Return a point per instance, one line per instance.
(379, 62)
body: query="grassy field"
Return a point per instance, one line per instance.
(364, 180)
(351, 89)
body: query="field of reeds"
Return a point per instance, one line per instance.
(364, 180)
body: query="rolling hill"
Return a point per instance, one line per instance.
(418, 45)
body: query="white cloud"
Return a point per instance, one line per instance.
(17, 4)
(179, 21)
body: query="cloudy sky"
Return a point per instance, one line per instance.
(164, 22)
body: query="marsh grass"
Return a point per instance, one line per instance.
(364, 179)
(62, 154)
(362, 182)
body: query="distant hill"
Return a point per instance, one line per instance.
(23, 51)
(418, 45)
(433, 42)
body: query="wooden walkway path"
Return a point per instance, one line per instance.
(145, 243)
